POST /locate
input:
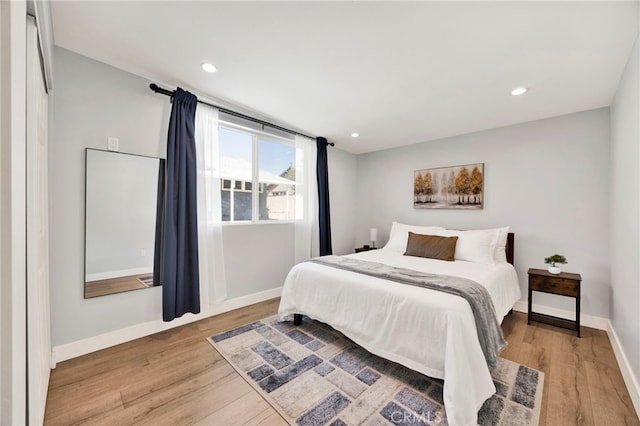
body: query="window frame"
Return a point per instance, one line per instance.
(256, 186)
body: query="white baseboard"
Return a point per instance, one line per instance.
(585, 320)
(625, 368)
(601, 324)
(116, 337)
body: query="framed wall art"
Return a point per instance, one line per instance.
(456, 187)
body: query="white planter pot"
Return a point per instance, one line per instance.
(554, 269)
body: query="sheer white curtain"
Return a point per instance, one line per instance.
(213, 286)
(306, 225)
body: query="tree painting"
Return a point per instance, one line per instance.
(458, 187)
(450, 183)
(418, 185)
(428, 186)
(463, 183)
(475, 184)
(436, 184)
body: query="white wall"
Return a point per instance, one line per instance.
(93, 101)
(547, 179)
(625, 211)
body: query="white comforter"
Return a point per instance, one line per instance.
(426, 330)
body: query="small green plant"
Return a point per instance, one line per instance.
(556, 258)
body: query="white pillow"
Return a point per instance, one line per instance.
(477, 245)
(399, 235)
(500, 254)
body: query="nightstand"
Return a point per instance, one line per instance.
(365, 248)
(563, 284)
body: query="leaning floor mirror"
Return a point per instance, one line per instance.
(123, 199)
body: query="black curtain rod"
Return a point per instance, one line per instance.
(170, 93)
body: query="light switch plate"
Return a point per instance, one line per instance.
(112, 144)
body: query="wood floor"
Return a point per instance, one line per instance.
(113, 285)
(177, 378)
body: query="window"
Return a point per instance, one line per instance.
(236, 156)
(258, 176)
(277, 174)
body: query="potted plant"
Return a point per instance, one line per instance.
(552, 260)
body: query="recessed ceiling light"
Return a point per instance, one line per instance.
(519, 91)
(355, 135)
(209, 67)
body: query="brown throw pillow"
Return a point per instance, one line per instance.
(431, 246)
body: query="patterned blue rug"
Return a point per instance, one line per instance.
(313, 375)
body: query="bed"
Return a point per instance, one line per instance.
(389, 319)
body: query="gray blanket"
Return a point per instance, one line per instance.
(489, 332)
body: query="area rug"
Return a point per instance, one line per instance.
(313, 375)
(147, 280)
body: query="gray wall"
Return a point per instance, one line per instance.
(547, 179)
(93, 101)
(257, 257)
(342, 190)
(625, 211)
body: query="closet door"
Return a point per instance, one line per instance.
(38, 310)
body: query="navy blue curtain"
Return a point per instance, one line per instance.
(324, 215)
(180, 270)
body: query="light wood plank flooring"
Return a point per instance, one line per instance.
(113, 285)
(177, 378)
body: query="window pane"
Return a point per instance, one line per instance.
(242, 206)
(235, 169)
(277, 176)
(226, 206)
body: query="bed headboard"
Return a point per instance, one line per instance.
(509, 248)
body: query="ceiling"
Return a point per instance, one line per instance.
(397, 73)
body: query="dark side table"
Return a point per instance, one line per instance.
(563, 284)
(364, 248)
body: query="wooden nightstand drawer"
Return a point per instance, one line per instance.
(560, 286)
